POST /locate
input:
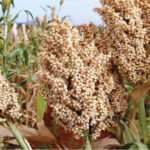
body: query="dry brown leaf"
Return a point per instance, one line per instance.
(106, 143)
(44, 131)
(139, 93)
(26, 131)
(5, 132)
(43, 135)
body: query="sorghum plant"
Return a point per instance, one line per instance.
(9, 106)
(126, 36)
(78, 81)
(10, 110)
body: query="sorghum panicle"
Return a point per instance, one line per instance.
(78, 81)
(126, 34)
(9, 107)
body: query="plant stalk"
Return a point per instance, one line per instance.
(142, 119)
(18, 136)
(87, 143)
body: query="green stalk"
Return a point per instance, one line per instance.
(5, 41)
(18, 136)
(87, 143)
(142, 119)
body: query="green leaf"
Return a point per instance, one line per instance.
(17, 62)
(129, 87)
(12, 2)
(63, 18)
(147, 109)
(119, 133)
(30, 14)
(10, 74)
(16, 16)
(41, 106)
(142, 119)
(8, 13)
(132, 147)
(5, 66)
(139, 146)
(87, 144)
(49, 7)
(44, 9)
(1, 38)
(21, 83)
(15, 52)
(127, 146)
(26, 57)
(1, 19)
(148, 144)
(128, 136)
(2, 145)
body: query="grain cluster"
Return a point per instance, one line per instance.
(78, 81)
(127, 35)
(9, 107)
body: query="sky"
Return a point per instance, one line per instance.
(80, 11)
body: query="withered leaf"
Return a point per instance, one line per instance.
(42, 135)
(106, 143)
(5, 132)
(139, 92)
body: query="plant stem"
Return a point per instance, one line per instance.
(6, 35)
(18, 136)
(88, 145)
(87, 142)
(142, 119)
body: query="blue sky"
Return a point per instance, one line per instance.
(80, 11)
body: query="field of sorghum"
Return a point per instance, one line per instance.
(83, 87)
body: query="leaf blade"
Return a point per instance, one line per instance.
(41, 107)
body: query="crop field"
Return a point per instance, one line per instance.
(76, 87)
